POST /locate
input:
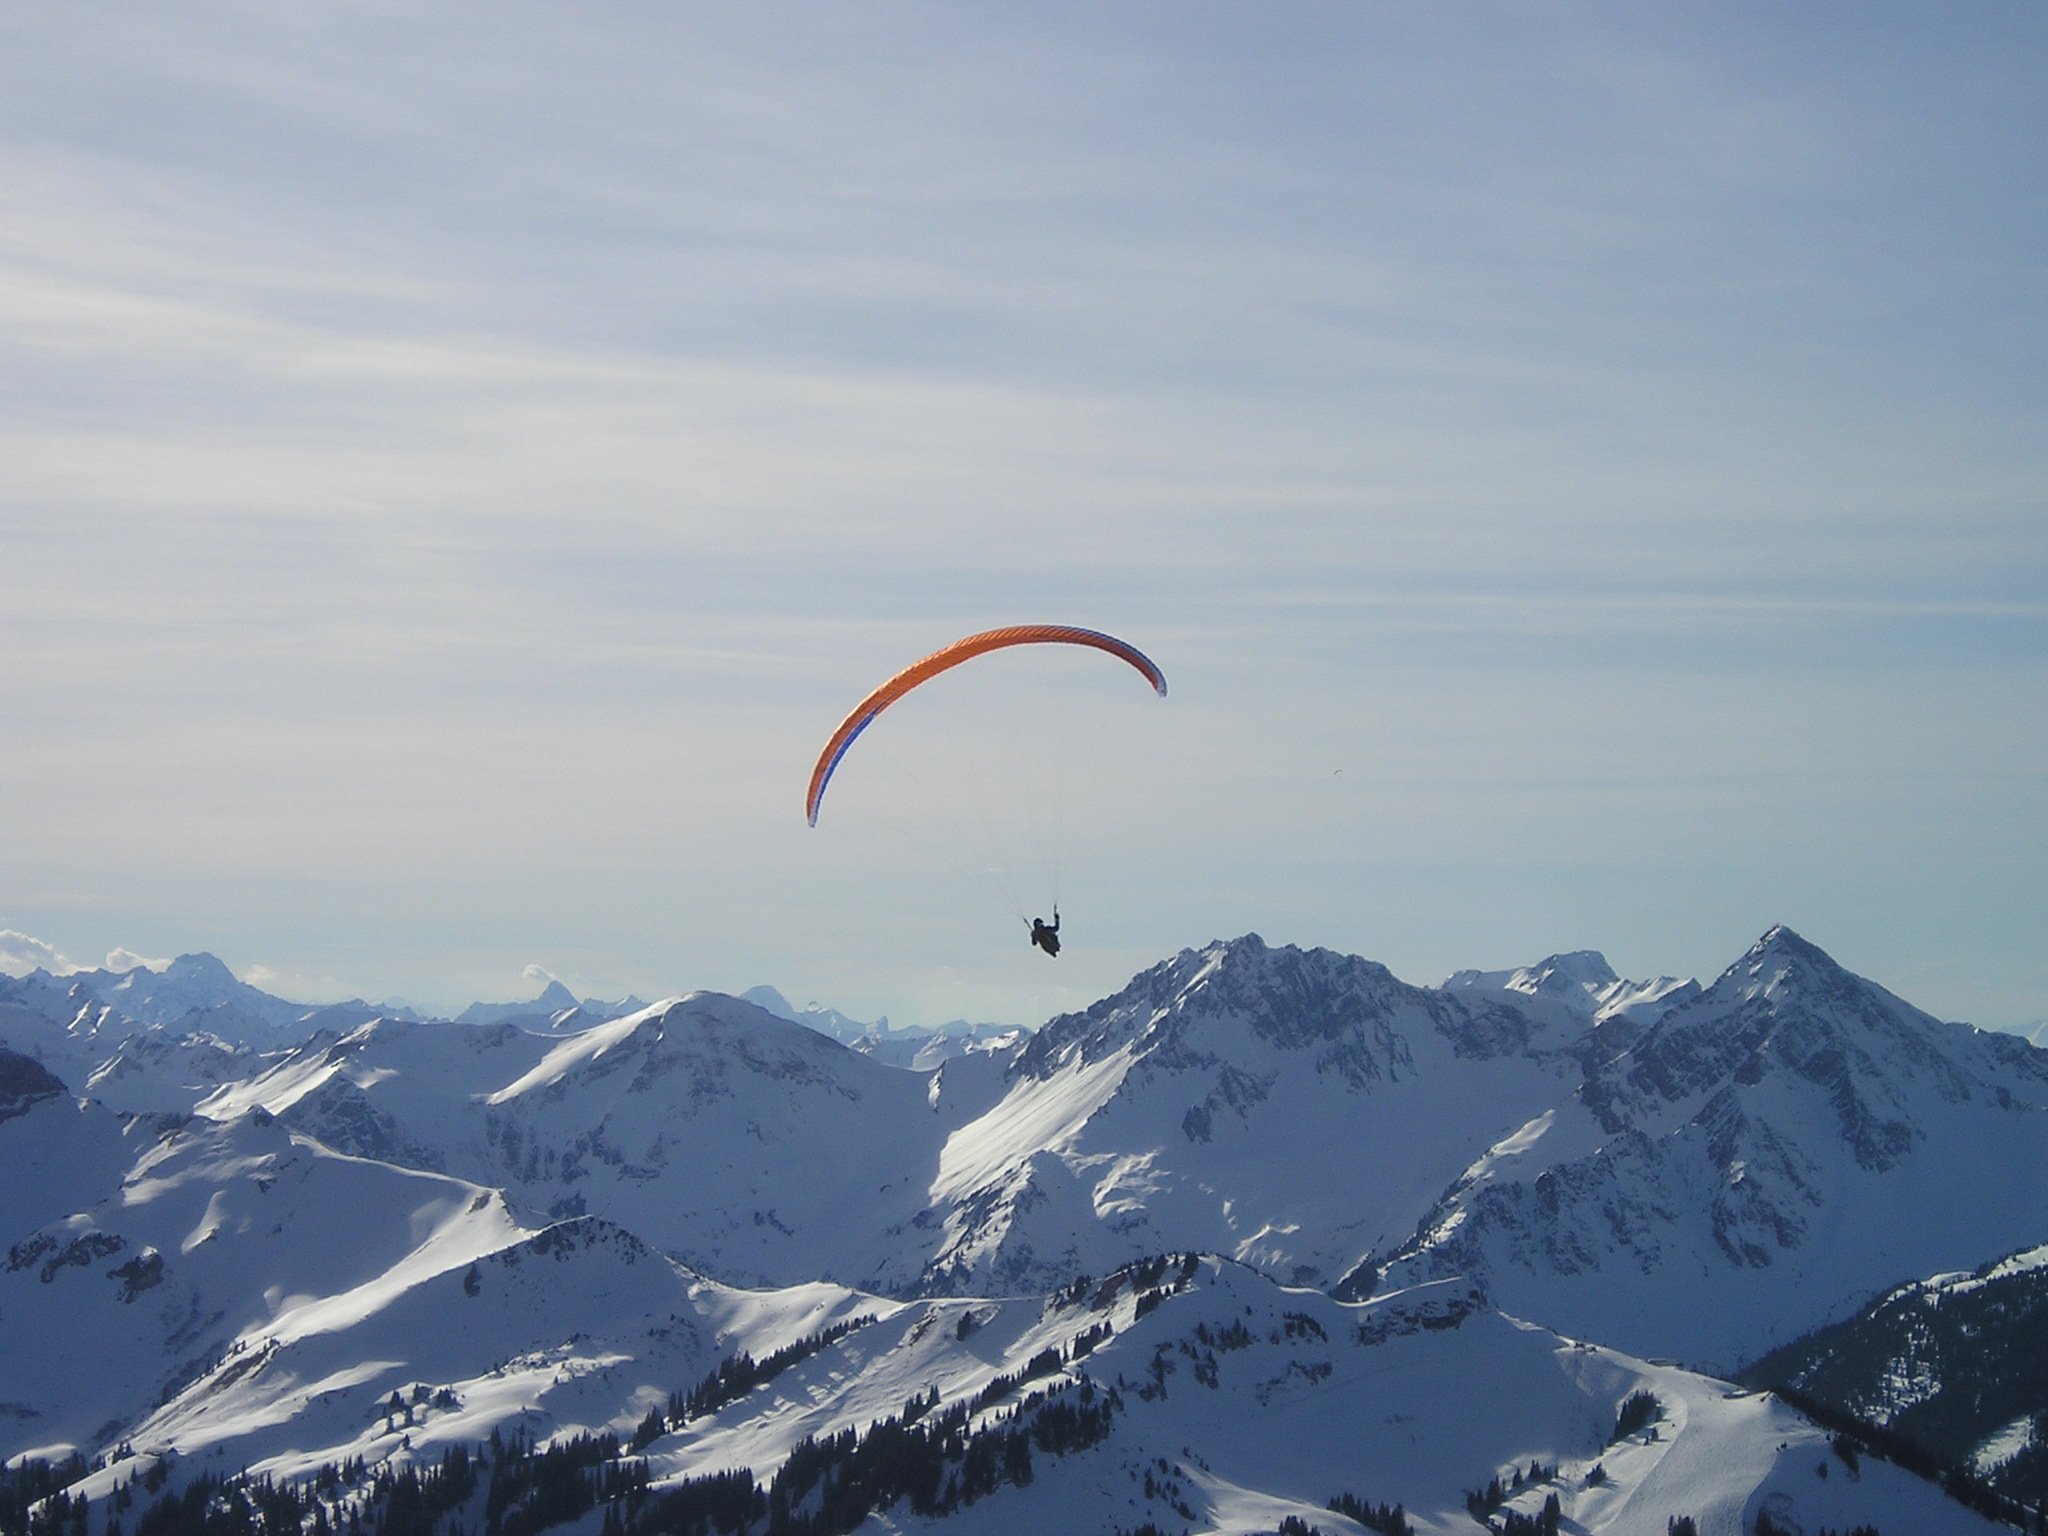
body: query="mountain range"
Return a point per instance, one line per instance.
(1426, 1235)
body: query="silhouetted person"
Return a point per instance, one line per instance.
(1047, 939)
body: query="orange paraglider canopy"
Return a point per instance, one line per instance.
(949, 657)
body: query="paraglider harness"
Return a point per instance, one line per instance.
(1047, 939)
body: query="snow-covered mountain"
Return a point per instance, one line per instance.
(24, 1082)
(1582, 984)
(98, 1051)
(826, 1021)
(195, 994)
(210, 1231)
(1300, 1111)
(735, 1140)
(399, 1236)
(1114, 1404)
(557, 1011)
(554, 998)
(1957, 1364)
(916, 1048)
(1292, 1109)
(1762, 1159)
(576, 1326)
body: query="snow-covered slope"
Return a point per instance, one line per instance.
(738, 1142)
(195, 993)
(59, 1155)
(1957, 1364)
(130, 1066)
(1293, 1109)
(1418, 1400)
(1582, 984)
(919, 1049)
(552, 1231)
(203, 1233)
(1112, 1404)
(579, 1326)
(1301, 1111)
(1763, 1159)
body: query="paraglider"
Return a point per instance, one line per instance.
(1047, 939)
(945, 660)
(1044, 936)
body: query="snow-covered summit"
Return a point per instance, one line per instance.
(914, 1047)
(1580, 983)
(1232, 990)
(195, 986)
(1288, 1107)
(1757, 1161)
(554, 998)
(1787, 1010)
(1580, 971)
(704, 1035)
(556, 1010)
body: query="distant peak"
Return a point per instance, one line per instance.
(769, 999)
(1244, 944)
(1586, 968)
(1781, 962)
(1578, 971)
(1780, 933)
(200, 967)
(1781, 944)
(556, 996)
(1578, 962)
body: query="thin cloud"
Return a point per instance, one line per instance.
(563, 451)
(20, 953)
(127, 960)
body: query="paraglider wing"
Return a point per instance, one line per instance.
(944, 660)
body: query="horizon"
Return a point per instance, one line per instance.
(22, 956)
(1579, 468)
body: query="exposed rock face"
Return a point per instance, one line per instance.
(23, 1082)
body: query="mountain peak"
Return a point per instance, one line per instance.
(1580, 970)
(554, 999)
(1780, 962)
(1578, 985)
(200, 967)
(1287, 995)
(769, 999)
(1780, 939)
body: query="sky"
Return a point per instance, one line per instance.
(1580, 468)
